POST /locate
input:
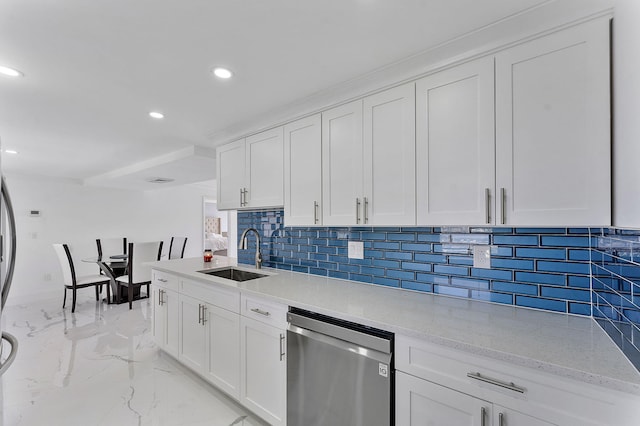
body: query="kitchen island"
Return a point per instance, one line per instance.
(547, 345)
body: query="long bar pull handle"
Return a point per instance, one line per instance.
(241, 194)
(204, 314)
(501, 419)
(199, 313)
(159, 297)
(357, 210)
(260, 311)
(503, 196)
(245, 197)
(281, 346)
(162, 280)
(487, 196)
(162, 292)
(366, 210)
(483, 416)
(315, 212)
(510, 386)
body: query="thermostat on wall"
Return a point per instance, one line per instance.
(34, 213)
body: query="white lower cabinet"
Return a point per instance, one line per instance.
(423, 403)
(223, 349)
(164, 297)
(435, 383)
(264, 368)
(192, 333)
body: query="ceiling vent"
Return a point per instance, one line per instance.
(159, 180)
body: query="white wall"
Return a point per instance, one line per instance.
(77, 215)
(210, 210)
(626, 95)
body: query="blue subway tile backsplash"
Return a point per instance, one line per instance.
(581, 271)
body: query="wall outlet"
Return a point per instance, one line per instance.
(482, 257)
(356, 250)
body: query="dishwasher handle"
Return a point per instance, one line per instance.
(340, 344)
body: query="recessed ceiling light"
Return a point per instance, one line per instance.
(156, 114)
(10, 72)
(10, 151)
(222, 72)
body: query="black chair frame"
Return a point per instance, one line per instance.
(74, 286)
(130, 285)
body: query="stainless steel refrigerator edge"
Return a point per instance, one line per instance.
(7, 263)
(338, 373)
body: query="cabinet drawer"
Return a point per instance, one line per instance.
(165, 280)
(226, 298)
(558, 400)
(264, 311)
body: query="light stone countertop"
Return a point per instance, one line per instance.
(565, 345)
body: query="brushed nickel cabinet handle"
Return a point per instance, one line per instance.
(503, 196)
(246, 203)
(204, 314)
(483, 415)
(315, 212)
(199, 313)
(260, 311)
(162, 280)
(487, 196)
(357, 210)
(281, 346)
(510, 386)
(501, 419)
(241, 193)
(366, 210)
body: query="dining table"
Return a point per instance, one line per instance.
(113, 267)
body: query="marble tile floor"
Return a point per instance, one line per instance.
(99, 366)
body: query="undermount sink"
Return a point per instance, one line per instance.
(234, 274)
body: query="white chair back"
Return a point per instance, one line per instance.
(67, 275)
(112, 246)
(176, 248)
(141, 253)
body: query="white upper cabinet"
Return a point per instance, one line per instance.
(342, 164)
(230, 166)
(389, 157)
(455, 145)
(303, 172)
(368, 160)
(264, 169)
(250, 172)
(553, 129)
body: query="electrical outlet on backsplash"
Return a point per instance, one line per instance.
(542, 268)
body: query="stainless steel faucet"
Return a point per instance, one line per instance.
(243, 245)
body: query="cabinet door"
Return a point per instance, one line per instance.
(389, 157)
(505, 417)
(455, 145)
(265, 169)
(230, 164)
(223, 349)
(263, 371)
(192, 333)
(342, 165)
(171, 304)
(303, 172)
(422, 403)
(159, 317)
(553, 129)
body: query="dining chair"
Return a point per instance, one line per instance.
(73, 282)
(108, 247)
(176, 247)
(138, 272)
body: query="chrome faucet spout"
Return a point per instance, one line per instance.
(243, 245)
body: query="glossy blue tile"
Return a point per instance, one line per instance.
(580, 308)
(430, 258)
(492, 273)
(541, 253)
(429, 238)
(348, 268)
(372, 271)
(450, 270)
(433, 279)
(401, 237)
(578, 281)
(534, 277)
(566, 294)
(470, 283)
(386, 282)
(386, 245)
(394, 264)
(317, 271)
(540, 230)
(402, 275)
(361, 278)
(566, 267)
(374, 236)
(520, 240)
(460, 260)
(515, 288)
(416, 247)
(539, 303)
(413, 285)
(338, 274)
(400, 255)
(566, 241)
(451, 291)
(489, 296)
(412, 266)
(523, 265)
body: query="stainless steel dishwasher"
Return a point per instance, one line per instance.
(338, 373)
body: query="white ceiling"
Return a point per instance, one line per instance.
(94, 69)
